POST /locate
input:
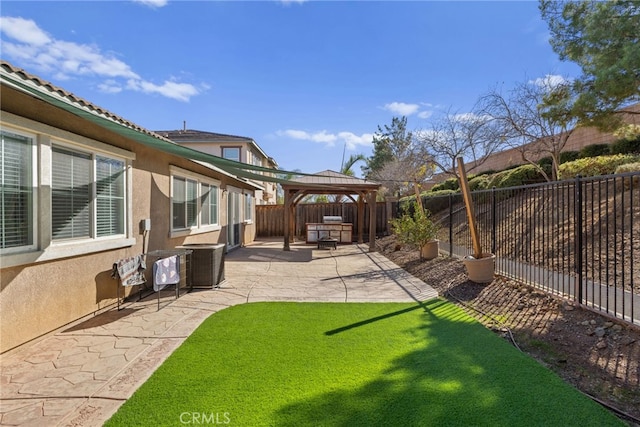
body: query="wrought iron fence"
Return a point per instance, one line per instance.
(579, 239)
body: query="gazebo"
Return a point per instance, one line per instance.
(330, 182)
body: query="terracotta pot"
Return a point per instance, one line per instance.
(430, 250)
(480, 270)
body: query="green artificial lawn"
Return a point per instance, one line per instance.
(317, 364)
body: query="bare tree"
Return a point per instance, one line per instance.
(534, 118)
(407, 172)
(472, 136)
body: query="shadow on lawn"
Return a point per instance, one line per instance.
(463, 375)
(374, 319)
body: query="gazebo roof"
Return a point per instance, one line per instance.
(330, 182)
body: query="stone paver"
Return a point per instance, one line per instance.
(80, 376)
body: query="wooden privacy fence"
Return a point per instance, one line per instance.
(270, 218)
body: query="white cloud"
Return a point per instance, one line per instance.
(425, 114)
(322, 136)
(402, 108)
(32, 46)
(169, 89)
(550, 81)
(329, 139)
(353, 141)
(110, 86)
(152, 3)
(23, 31)
(465, 117)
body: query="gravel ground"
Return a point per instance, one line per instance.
(598, 355)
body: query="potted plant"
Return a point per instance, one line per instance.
(480, 266)
(418, 230)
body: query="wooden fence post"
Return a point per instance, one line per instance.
(468, 202)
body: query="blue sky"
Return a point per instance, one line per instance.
(307, 80)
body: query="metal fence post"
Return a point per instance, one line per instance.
(578, 236)
(494, 224)
(450, 225)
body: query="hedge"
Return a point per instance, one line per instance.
(595, 166)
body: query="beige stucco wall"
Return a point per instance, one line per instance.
(40, 297)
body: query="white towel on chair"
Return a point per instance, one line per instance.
(166, 271)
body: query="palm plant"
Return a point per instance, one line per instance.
(347, 169)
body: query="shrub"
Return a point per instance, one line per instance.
(594, 166)
(415, 229)
(435, 201)
(448, 184)
(594, 150)
(626, 168)
(480, 182)
(525, 174)
(568, 156)
(546, 161)
(625, 146)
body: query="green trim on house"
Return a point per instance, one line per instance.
(150, 139)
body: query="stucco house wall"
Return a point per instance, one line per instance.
(55, 283)
(213, 143)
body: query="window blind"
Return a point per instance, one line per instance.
(192, 203)
(209, 202)
(178, 205)
(110, 201)
(16, 191)
(71, 194)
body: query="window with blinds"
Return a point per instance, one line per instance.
(73, 213)
(209, 204)
(16, 191)
(110, 202)
(184, 203)
(70, 194)
(194, 202)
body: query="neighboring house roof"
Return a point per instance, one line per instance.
(25, 82)
(191, 136)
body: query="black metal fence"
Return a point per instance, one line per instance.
(579, 239)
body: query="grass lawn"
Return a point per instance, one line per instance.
(325, 364)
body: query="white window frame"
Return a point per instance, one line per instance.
(199, 227)
(232, 147)
(216, 193)
(93, 196)
(34, 195)
(45, 248)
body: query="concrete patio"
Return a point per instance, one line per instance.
(82, 373)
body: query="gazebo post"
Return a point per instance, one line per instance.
(372, 221)
(287, 219)
(292, 218)
(361, 197)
